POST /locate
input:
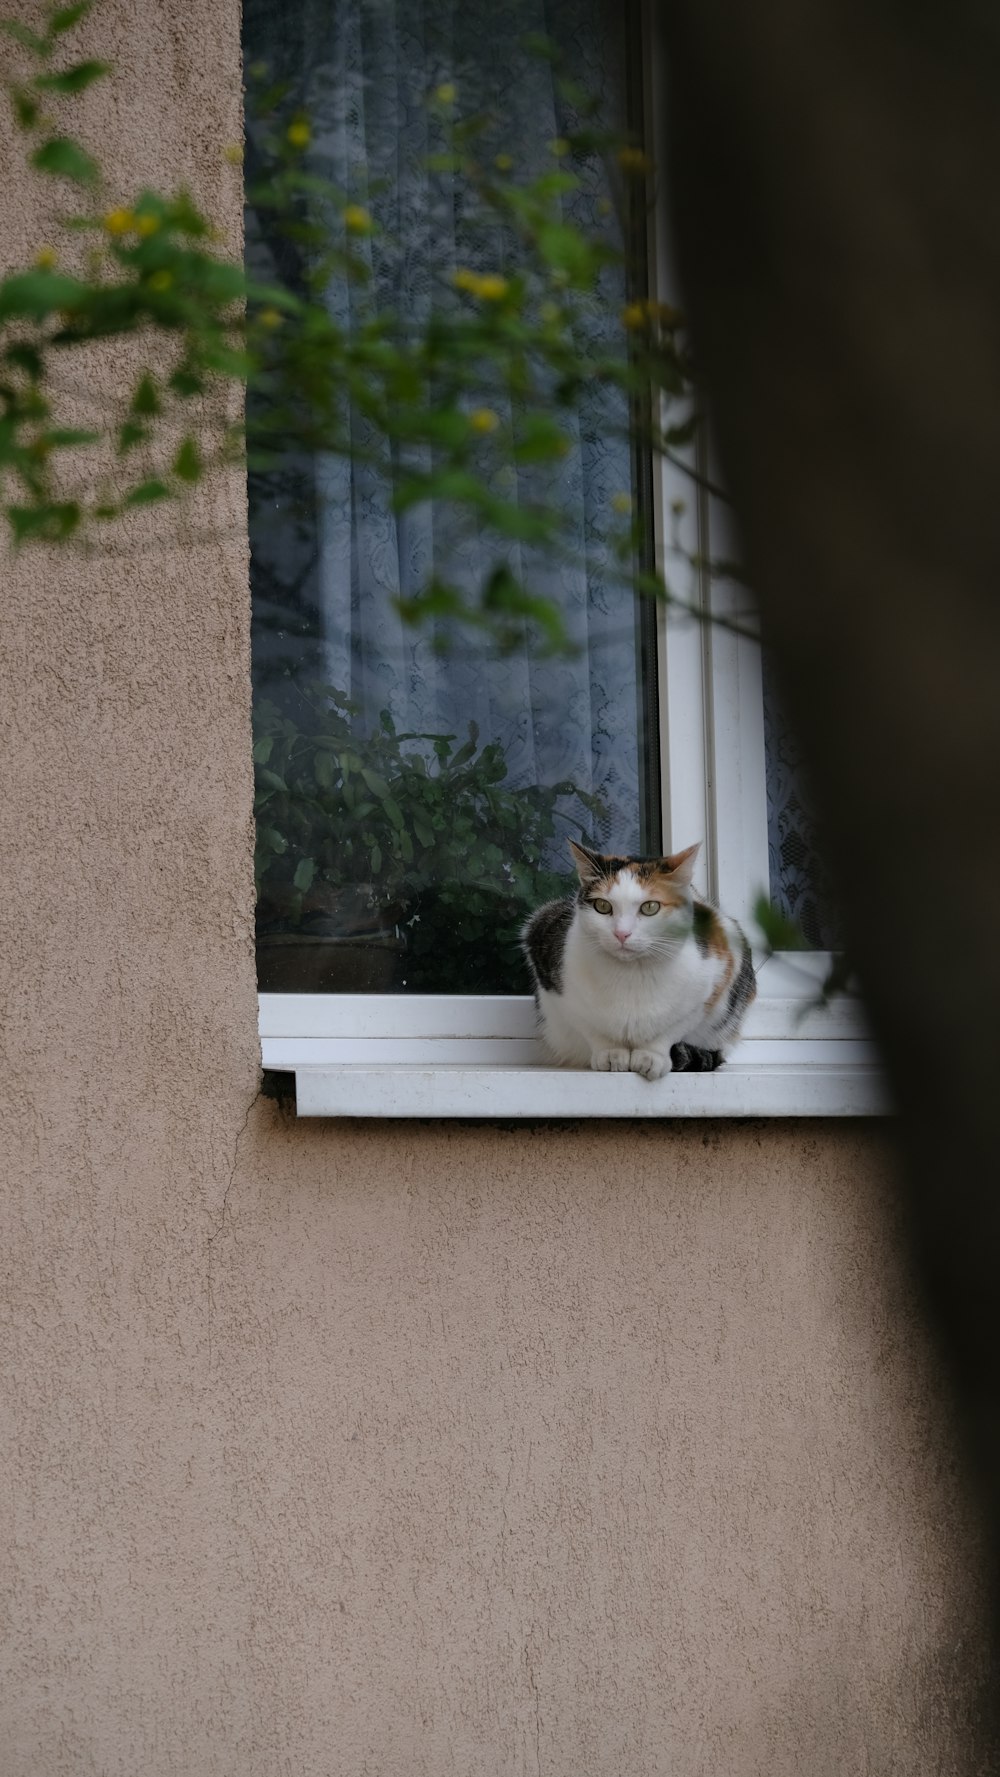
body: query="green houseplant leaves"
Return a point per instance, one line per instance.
(414, 836)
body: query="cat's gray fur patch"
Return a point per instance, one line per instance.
(704, 919)
(544, 940)
(687, 1058)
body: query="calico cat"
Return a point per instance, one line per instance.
(635, 972)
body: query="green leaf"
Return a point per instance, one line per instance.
(147, 492)
(376, 859)
(39, 46)
(228, 361)
(272, 779)
(305, 870)
(62, 437)
(185, 215)
(26, 107)
(187, 462)
(394, 812)
(468, 747)
(26, 357)
(131, 433)
(65, 159)
(324, 768)
(567, 251)
(38, 294)
(684, 432)
(780, 932)
(73, 80)
(146, 399)
(376, 784)
(263, 748)
(51, 522)
(540, 440)
(65, 17)
(423, 830)
(222, 281)
(185, 382)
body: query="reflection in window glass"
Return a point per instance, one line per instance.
(414, 798)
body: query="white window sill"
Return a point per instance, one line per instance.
(428, 1056)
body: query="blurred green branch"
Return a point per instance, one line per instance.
(447, 409)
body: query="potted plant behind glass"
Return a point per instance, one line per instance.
(390, 860)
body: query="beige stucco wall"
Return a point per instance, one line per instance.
(398, 1451)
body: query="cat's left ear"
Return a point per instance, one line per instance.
(681, 865)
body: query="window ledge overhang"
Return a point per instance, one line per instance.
(448, 1089)
(449, 1056)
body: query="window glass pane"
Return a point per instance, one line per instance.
(418, 790)
(799, 885)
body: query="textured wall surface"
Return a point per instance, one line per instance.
(408, 1451)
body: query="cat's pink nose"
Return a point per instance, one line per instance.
(623, 937)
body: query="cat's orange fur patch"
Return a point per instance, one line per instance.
(661, 887)
(724, 980)
(717, 944)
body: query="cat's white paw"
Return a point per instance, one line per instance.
(649, 1064)
(610, 1061)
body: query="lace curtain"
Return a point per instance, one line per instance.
(325, 582)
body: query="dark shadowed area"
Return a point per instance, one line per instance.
(836, 176)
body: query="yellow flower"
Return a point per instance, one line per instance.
(446, 93)
(483, 419)
(119, 222)
(560, 147)
(234, 154)
(632, 160)
(621, 503)
(147, 224)
(269, 318)
(503, 162)
(161, 280)
(492, 287)
(46, 258)
(668, 317)
(357, 220)
(643, 314)
(489, 286)
(298, 134)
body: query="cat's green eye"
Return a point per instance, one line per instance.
(600, 906)
(650, 907)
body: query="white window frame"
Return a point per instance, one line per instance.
(420, 1055)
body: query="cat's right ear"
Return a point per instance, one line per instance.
(589, 864)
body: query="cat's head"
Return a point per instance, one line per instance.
(634, 909)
